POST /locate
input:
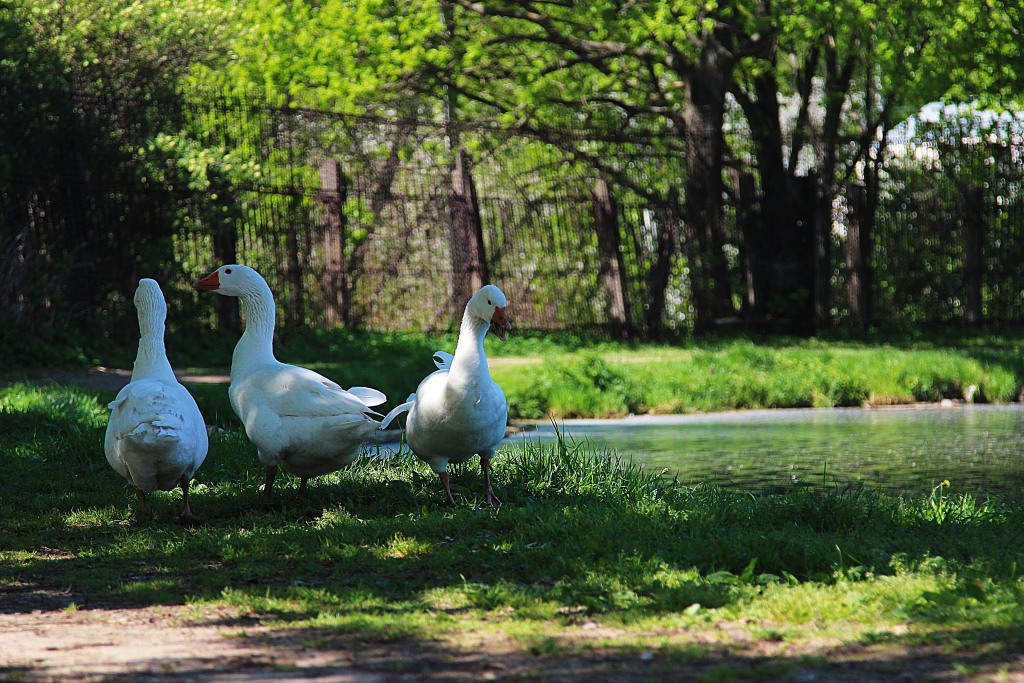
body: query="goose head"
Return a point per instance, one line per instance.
(232, 280)
(149, 302)
(489, 305)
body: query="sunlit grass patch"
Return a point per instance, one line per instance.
(401, 546)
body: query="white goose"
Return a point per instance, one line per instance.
(459, 411)
(156, 437)
(297, 418)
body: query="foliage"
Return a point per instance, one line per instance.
(346, 56)
(795, 85)
(936, 196)
(99, 87)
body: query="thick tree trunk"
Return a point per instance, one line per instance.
(612, 270)
(974, 262)
(466, 240)
(333, 194)
(749, 228)
(703, 212)
(821, 194)
(780, 237)
(225, 251)
(784, 253)
(858, 257)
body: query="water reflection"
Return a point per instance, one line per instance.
(977, 448)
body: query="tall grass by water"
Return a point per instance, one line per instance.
(741, 375)
(566, 376)
(584, 537)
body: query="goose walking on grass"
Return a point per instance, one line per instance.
(297, 418)
(156, 437)
(459, 411)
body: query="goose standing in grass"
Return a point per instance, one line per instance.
(297, 418)
(459, 411)
(156, 437)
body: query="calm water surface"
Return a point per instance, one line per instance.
(977, 448)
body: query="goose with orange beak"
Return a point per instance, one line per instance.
(297, 418)
(459, 411)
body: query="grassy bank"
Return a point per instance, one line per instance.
(584, 545)
(566, 376)
(742, 375)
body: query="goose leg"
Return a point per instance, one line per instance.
(485, 466)
(447, 486)
(142, 497)
(186, 511)
(268, 485)
(302, 487)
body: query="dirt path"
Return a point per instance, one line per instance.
(98, 645)
(188, 643)
(112, 378)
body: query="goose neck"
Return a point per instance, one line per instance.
(151, 359)
(256, 346)
(469, 356)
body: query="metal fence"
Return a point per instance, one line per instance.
(351, 218)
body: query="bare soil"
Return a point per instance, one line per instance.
(176, 643)
(112, 378)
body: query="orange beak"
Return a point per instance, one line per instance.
(211, 281)
(500, 323)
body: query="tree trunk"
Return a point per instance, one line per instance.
(779, 239)
(974, 263)
(612, 270)
(225, 251)
(784, 253)
(703, 212)
(747, 213)
(858, 257)
(466, 242)
(333, 195)
(821, 194)
(668, 241)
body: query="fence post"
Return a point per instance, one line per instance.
(333, 195)
(466, 244)
(974, 263)
(606, 223)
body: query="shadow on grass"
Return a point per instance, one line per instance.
(377, 536)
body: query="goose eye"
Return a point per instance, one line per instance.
(489, 303)
(227, 270)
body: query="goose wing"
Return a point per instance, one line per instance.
(289, 390)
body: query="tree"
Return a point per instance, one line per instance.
(815, 85)
(537, 63)
(98, 80)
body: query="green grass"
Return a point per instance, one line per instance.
(741, 374)
(566, 376)
(583, 537)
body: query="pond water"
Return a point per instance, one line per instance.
(977, 448)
